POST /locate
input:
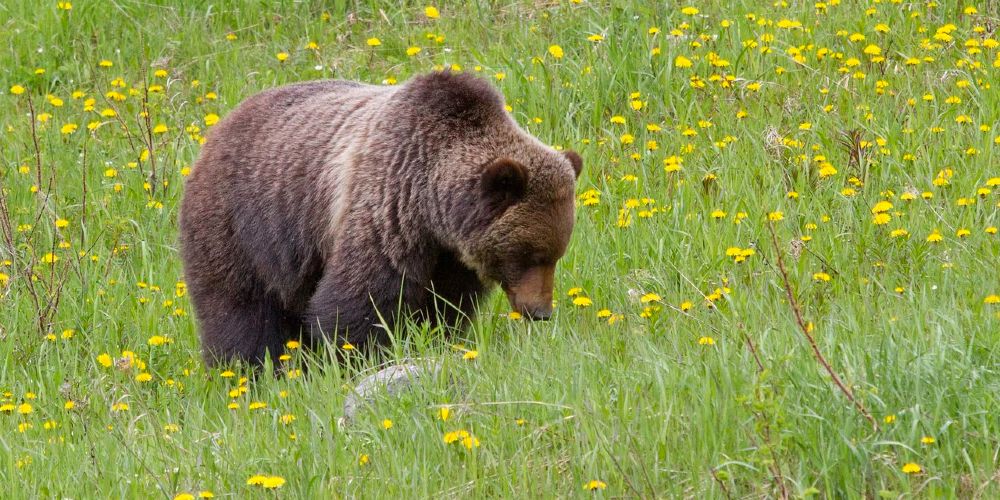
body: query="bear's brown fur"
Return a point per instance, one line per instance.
(319, 207)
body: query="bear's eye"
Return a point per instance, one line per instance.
(534, 258)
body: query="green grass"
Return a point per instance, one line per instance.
(645, 402)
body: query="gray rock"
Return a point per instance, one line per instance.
(393, 381)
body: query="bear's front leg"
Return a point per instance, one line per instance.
(351, 302)
(455, 290)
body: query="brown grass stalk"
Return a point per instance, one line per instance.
(808, 335)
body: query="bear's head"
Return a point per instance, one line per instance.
(499, 198)
(530, 199)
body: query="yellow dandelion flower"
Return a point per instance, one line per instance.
(556, 51)
(470, 442)
(882, 206)
(451, 437)
(672, 166)
(158, 340)
(789, 24)
(272, 482)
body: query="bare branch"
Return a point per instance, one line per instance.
(809, 337)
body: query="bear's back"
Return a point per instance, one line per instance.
(269, 112)
(267, 178)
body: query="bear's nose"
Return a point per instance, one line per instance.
(540, 313)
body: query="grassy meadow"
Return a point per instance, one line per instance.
(865, 134)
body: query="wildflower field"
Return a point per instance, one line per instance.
(783, 279)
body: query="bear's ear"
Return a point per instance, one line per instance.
(575, 160)
(504, 182)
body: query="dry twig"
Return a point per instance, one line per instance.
(809, 337)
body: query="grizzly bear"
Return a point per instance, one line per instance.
(325, 210)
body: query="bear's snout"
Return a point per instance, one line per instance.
(539, 314)
(531, 293)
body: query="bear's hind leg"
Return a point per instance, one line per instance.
(248, 330)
